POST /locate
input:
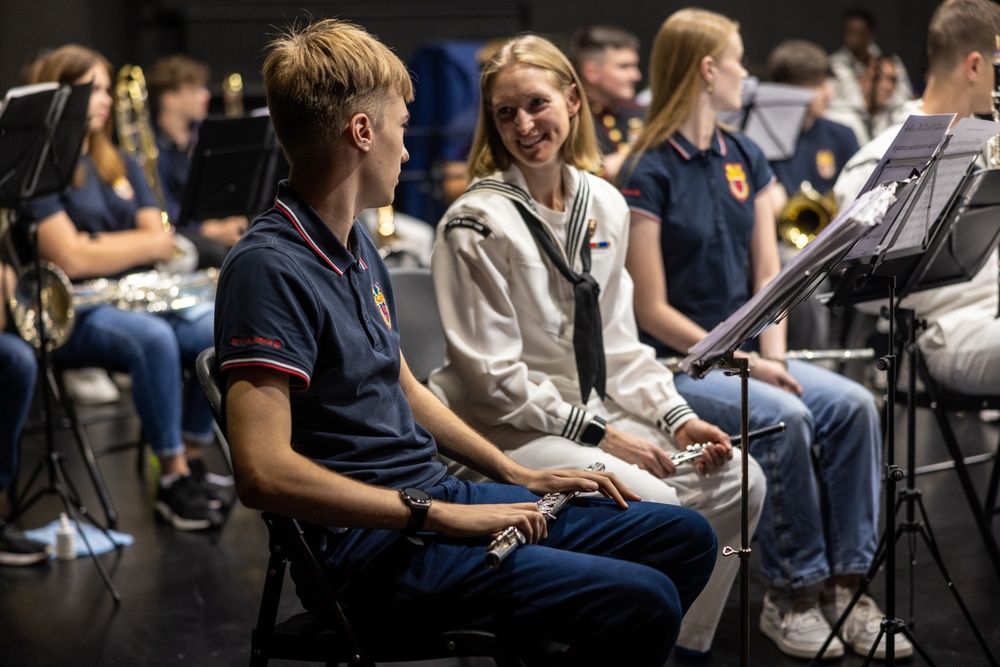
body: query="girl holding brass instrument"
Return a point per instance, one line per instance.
(702, 242)
(106, 224)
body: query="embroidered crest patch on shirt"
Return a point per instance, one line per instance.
(737, 177)
(826, 164)
(383, 307)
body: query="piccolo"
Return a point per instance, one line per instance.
(692, 452)
(511, 538)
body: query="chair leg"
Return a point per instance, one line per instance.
(980, 517)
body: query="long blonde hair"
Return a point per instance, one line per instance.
(488, 153)
(66, 65)
(684, 39)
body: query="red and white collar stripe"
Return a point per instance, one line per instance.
(281, 206)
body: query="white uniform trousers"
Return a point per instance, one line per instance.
(716, 496)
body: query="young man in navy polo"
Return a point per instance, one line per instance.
(328, 425)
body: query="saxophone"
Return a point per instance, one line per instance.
(146, 291)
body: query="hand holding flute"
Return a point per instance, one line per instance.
(691, 452)
(511, 538)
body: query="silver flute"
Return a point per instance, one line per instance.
(511, 538)
(692, 452)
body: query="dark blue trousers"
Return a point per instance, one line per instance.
(612, 584)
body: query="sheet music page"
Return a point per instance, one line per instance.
(773, 118)
(913, 147)
(930, 204)
(970, 135)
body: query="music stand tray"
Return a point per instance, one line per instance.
(772, 117)
(231, 169)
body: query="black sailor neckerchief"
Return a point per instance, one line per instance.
(588, 337)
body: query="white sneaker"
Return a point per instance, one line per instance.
(90, 386)
(862, 625)
(798, 632)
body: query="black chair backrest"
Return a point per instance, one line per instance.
(211, 382)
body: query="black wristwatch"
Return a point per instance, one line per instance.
(419, 502)
(594, 433)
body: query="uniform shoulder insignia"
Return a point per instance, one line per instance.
(467, 220)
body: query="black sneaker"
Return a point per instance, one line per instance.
(185, 505)
(218, 488)
(18, 550)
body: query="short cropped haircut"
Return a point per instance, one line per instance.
(861, 14)
(590, 43)
(171, 72)
(797, 62)
(488, 154)
(317, 77)
(959, 27)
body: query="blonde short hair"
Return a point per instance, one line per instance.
(318, 76)
(488, 154)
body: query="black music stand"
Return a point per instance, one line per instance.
(767, 307)
(233, 169)
(772, 115)
(41, 134)
(943, 234)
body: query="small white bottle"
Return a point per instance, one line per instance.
(65, 539)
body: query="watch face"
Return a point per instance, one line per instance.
(417, 495)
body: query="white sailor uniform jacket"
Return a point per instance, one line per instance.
(508, 313)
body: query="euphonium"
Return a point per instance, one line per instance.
(146, 291)
(805, 215)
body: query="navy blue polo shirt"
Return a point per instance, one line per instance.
(704, 201)
(291, 297)
(820, 154)
(97, 206)
(173, 166)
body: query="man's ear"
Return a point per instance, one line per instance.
(589, 71)
(360, 131)
(975, 65)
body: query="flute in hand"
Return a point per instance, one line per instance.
(511, 538)
(692, 452)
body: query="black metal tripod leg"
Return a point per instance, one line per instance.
(83, 443)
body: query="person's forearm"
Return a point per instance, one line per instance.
(454, 437)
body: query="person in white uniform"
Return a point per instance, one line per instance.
(960, 341)
(543, 356)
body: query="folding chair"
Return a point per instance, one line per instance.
(331, 636)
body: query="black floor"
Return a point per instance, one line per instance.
(191, 599)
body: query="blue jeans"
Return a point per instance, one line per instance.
(153, 349)
(612, 584)
(810, 528)
(18, 371)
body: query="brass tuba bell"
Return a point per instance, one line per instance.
(805, 215)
